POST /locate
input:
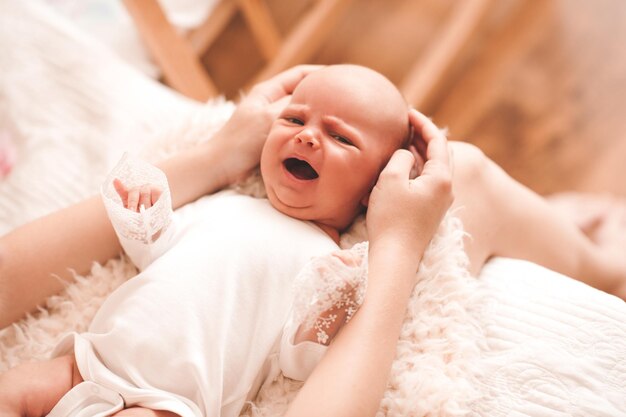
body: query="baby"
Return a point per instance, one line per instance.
(198, 330)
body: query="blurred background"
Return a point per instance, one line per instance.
(538, 85)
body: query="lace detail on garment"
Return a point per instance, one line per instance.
(147, 225)
(330, 290)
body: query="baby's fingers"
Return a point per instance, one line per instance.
(121, 190)
(133, 199)
(145, 197)
(156, 193)
(149, 195)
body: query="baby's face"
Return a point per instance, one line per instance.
(325, 151)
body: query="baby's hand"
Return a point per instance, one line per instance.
(145, 195)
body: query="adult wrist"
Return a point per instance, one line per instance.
(231, 161)
(395, 253)
(217, 155)
(401, 244)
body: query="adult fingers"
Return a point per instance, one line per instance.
(437, 152)
(398, 167)
(283, 83)
(277, 107)
(416, 134)
(423, 125)
(418, 166)
(438, 165)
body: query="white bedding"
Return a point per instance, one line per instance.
(555, 346)
(519, 341)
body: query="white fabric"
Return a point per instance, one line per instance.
(88, 399)
(554, 346)
(191, 332)
(147, 234)
(326, 283)
(71, 104)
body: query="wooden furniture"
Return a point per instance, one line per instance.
(179, 56)
(429, 72)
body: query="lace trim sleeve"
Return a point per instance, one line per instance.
(328, 292)
(144, 235)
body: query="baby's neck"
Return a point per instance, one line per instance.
(330, 231)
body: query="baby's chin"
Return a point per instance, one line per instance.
(300, 213)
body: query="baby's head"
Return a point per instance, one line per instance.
(325, 151)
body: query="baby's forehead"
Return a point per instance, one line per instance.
(353, 87)
(357, 93)
(350, 79)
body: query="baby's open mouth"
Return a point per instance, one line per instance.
(300, 169)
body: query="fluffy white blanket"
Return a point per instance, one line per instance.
(520, 340)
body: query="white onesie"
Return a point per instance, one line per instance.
(198, 330)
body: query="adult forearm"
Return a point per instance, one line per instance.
(403, 215)
(198, 171)
(35, 254)
(351, 378)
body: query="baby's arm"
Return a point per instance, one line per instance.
(326, 325)
(330, 293)
(140, 209)
(330, 321)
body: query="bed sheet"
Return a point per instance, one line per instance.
(547, 346)
(554, 346)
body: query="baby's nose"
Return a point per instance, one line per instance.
(308, 137)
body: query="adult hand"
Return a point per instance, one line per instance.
(405, 212)
(245, 132)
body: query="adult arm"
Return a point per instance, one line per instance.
(36, 259)
(403, 215)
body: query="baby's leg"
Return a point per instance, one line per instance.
(33, 389)
(504, 218)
